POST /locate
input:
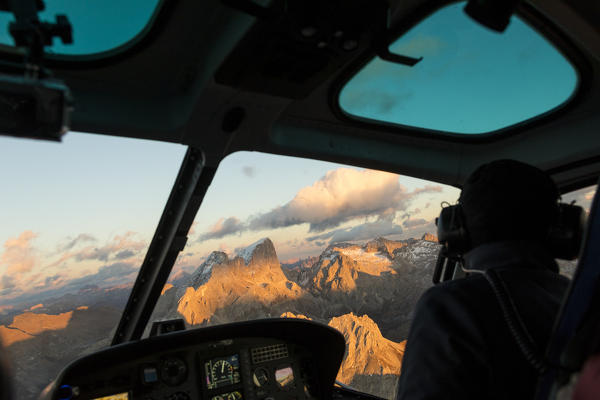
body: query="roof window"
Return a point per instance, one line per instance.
(470, 81)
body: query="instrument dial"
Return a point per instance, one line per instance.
(173, 371)
(234, 396)
(260, 377)
(222, 370)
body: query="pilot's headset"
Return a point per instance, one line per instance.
(564, 237)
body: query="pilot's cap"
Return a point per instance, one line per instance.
(508, 200)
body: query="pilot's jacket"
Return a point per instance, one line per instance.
(459, 345)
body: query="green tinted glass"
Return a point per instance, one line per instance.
(471, 80)
(98, 26)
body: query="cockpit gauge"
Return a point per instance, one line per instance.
(234, 396)
(222, 371)
(173, 371)
(260, 377)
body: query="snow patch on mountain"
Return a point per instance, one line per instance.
(248, 252)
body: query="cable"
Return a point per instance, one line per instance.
(513, 319)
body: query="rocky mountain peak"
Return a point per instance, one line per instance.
(368, 352)
(260, 252)
(204, 271)
(384, 246)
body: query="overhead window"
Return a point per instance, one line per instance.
(97, 26)
(471, 80)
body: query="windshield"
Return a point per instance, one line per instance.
(280, 236)
(77, 218)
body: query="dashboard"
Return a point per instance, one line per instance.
(272, 359)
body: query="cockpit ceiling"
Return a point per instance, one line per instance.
(165, 89)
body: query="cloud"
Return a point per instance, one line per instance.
(118, 248)
(82, 237)
(413, 223)
(7, 282)
(340, 196)
(18, 255)
(375, 102)
(359, 232)
(107, 274)
(222, 228)
(124, 254)
(249, 171)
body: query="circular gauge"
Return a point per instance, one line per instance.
(260, 377)
(234, 396)
(222, 370)
(173, 371)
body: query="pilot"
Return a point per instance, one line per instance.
(460, 345)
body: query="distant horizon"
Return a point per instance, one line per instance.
(95, 224)
(85, 211)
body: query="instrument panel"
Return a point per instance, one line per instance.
(275, 359)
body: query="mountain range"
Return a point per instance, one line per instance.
(366, 291)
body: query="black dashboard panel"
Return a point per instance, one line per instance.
(272, 359)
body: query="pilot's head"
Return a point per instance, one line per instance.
(508, 200)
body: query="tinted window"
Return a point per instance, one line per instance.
(471, 80)
(97, 26)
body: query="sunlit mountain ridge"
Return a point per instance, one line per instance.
(366, 291)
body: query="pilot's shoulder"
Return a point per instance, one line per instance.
(449, 293)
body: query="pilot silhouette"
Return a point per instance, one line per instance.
(460, 345)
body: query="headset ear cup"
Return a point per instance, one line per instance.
(451, 230)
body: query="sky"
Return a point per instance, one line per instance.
(471, 79)
(83, 211)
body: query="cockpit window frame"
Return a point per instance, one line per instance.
(532, 17)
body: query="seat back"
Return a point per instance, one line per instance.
(579, 317)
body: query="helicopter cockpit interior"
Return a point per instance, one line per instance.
(360, 116)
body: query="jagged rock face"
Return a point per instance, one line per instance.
(304, 263)
(384, 246)
(288, 314)
(254, 277)
(367, 351)
(340, 266)
(300, 271)
(430, 237)
(204, 271)
(260, 253)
